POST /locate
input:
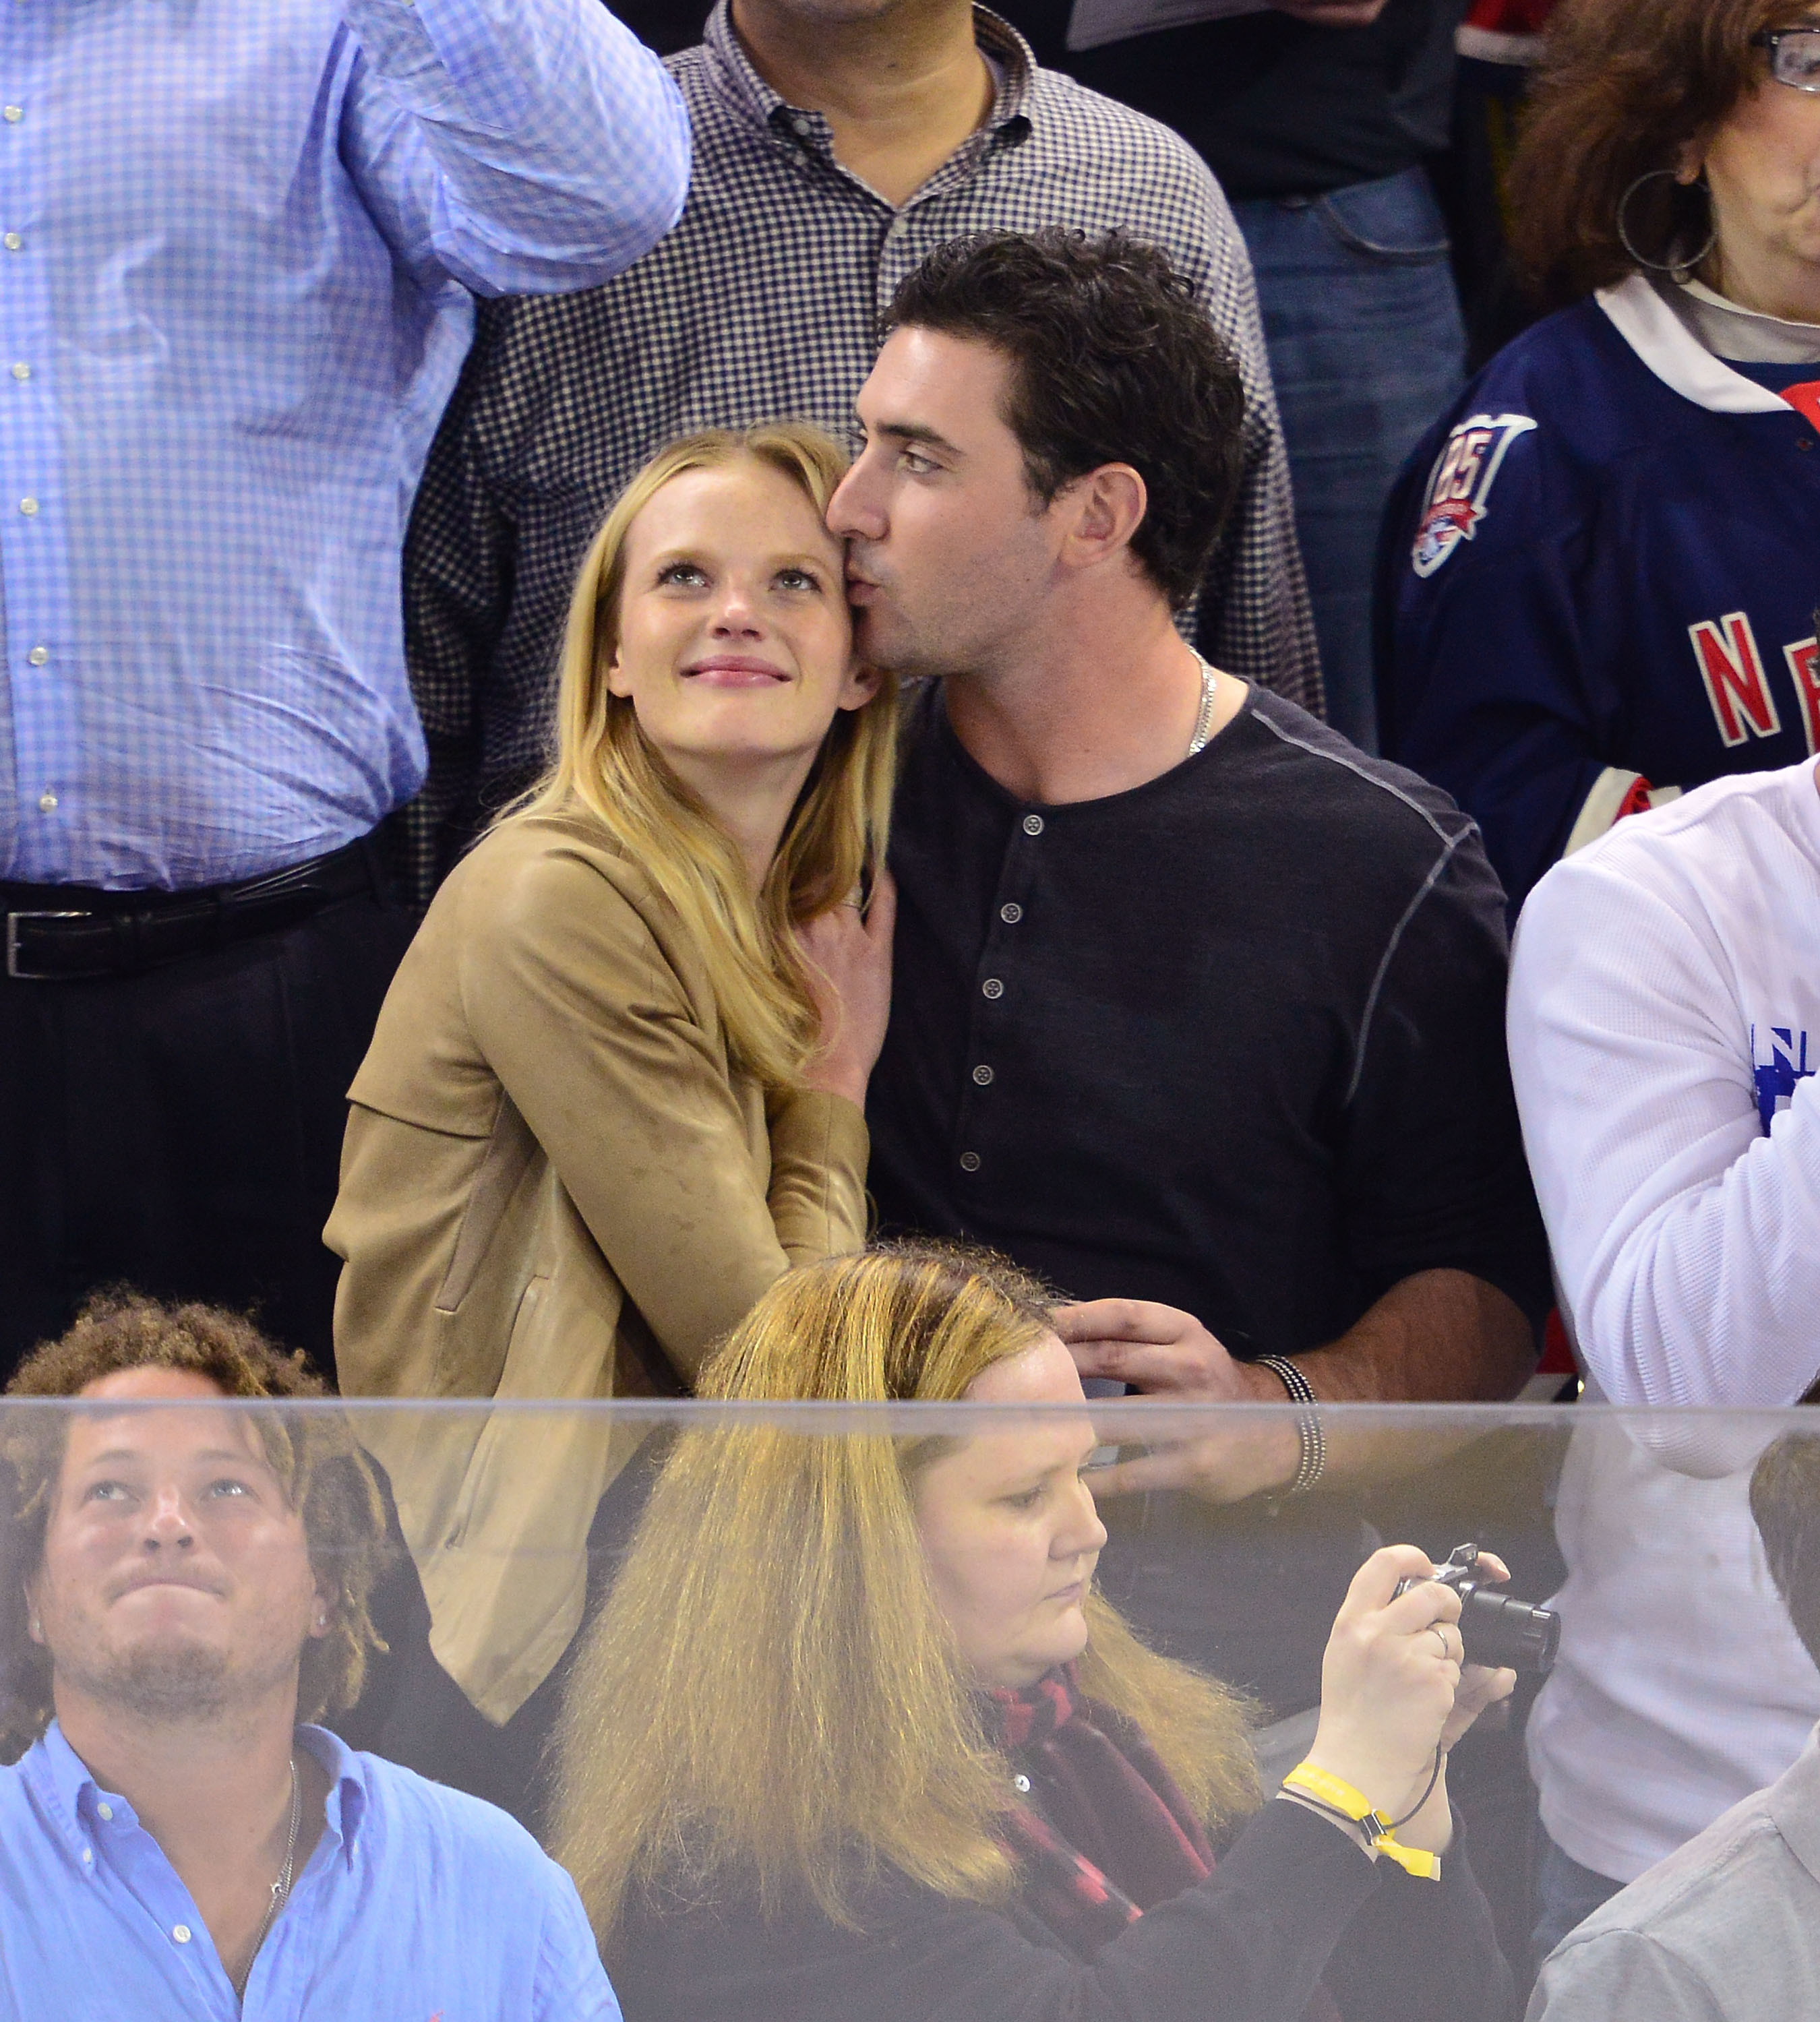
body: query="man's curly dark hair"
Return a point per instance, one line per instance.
(1113, 361)
(329, 1481)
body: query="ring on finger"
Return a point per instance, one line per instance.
(1447, 1648)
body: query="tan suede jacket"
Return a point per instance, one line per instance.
(554, 1186)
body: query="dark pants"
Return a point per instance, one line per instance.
(1566, 1894)
(179, 1130)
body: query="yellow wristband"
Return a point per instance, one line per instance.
(1336, 1792)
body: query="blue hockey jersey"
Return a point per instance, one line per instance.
(1599, 576)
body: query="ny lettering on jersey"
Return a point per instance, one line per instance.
(1791, 1058)
(1732, 668)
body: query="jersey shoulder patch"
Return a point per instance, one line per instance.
(1459, 494)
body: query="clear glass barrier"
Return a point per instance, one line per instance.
(844, 1711)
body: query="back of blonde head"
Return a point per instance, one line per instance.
(605, 765)
(771, 1700)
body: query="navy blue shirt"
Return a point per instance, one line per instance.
(1601, 567)
(418, 1902)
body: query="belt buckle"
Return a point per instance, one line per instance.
(17, 974)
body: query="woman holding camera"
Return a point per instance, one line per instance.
(615, 1091)
(854, 1735)
(1597, 585)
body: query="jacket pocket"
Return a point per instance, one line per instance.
(509, 1152)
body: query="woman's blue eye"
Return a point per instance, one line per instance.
(679, 572)
(798, 579)
(105, 1491)
(228, 1486)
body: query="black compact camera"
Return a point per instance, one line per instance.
(1498, 1631)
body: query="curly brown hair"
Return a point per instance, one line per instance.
(1625, 86)
(329, 1482)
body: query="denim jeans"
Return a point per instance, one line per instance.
(1362, 321)
(1566, 1894)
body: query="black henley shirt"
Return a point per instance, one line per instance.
(1233, 1040)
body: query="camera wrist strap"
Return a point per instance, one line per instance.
(1338, 1795)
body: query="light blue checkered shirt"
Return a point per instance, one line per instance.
(237, 238)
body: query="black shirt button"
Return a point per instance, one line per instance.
(991, 987)
(983, 1075)
(1011, 913)
(1033, 824)
(970, 1161)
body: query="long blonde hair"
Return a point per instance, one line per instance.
(771, 1698)
(605, 764)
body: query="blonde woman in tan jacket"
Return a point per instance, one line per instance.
(615, 1091)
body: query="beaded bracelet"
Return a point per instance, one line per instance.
(1314, 1461)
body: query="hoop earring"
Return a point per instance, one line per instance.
(1661, 266)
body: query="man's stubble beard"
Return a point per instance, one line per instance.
(943, 646)
(171, 1683)
(176, 1682)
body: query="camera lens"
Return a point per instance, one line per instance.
(1504, 1633)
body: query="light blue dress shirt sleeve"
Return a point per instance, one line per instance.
(523, 146)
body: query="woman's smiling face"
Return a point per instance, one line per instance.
(1009, 1527)
(735, 641)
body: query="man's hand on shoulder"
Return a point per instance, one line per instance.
(1333, 14)
(1170, 1356)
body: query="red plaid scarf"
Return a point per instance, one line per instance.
(1114, 1835)
(1107, 1834)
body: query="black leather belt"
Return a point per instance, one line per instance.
(63, 933)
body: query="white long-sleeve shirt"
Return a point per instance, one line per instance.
(1665, 1030)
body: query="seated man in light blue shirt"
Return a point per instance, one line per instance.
(178, 1586)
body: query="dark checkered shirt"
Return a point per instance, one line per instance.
(764, 301)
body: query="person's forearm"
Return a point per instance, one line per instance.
(1441, 1337)
(561, 142)
(1438, 1337)
(1659, 1320)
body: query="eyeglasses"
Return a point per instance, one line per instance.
(1794, 55)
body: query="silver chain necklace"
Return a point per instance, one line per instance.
(1203, 723)
(281, 1887)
